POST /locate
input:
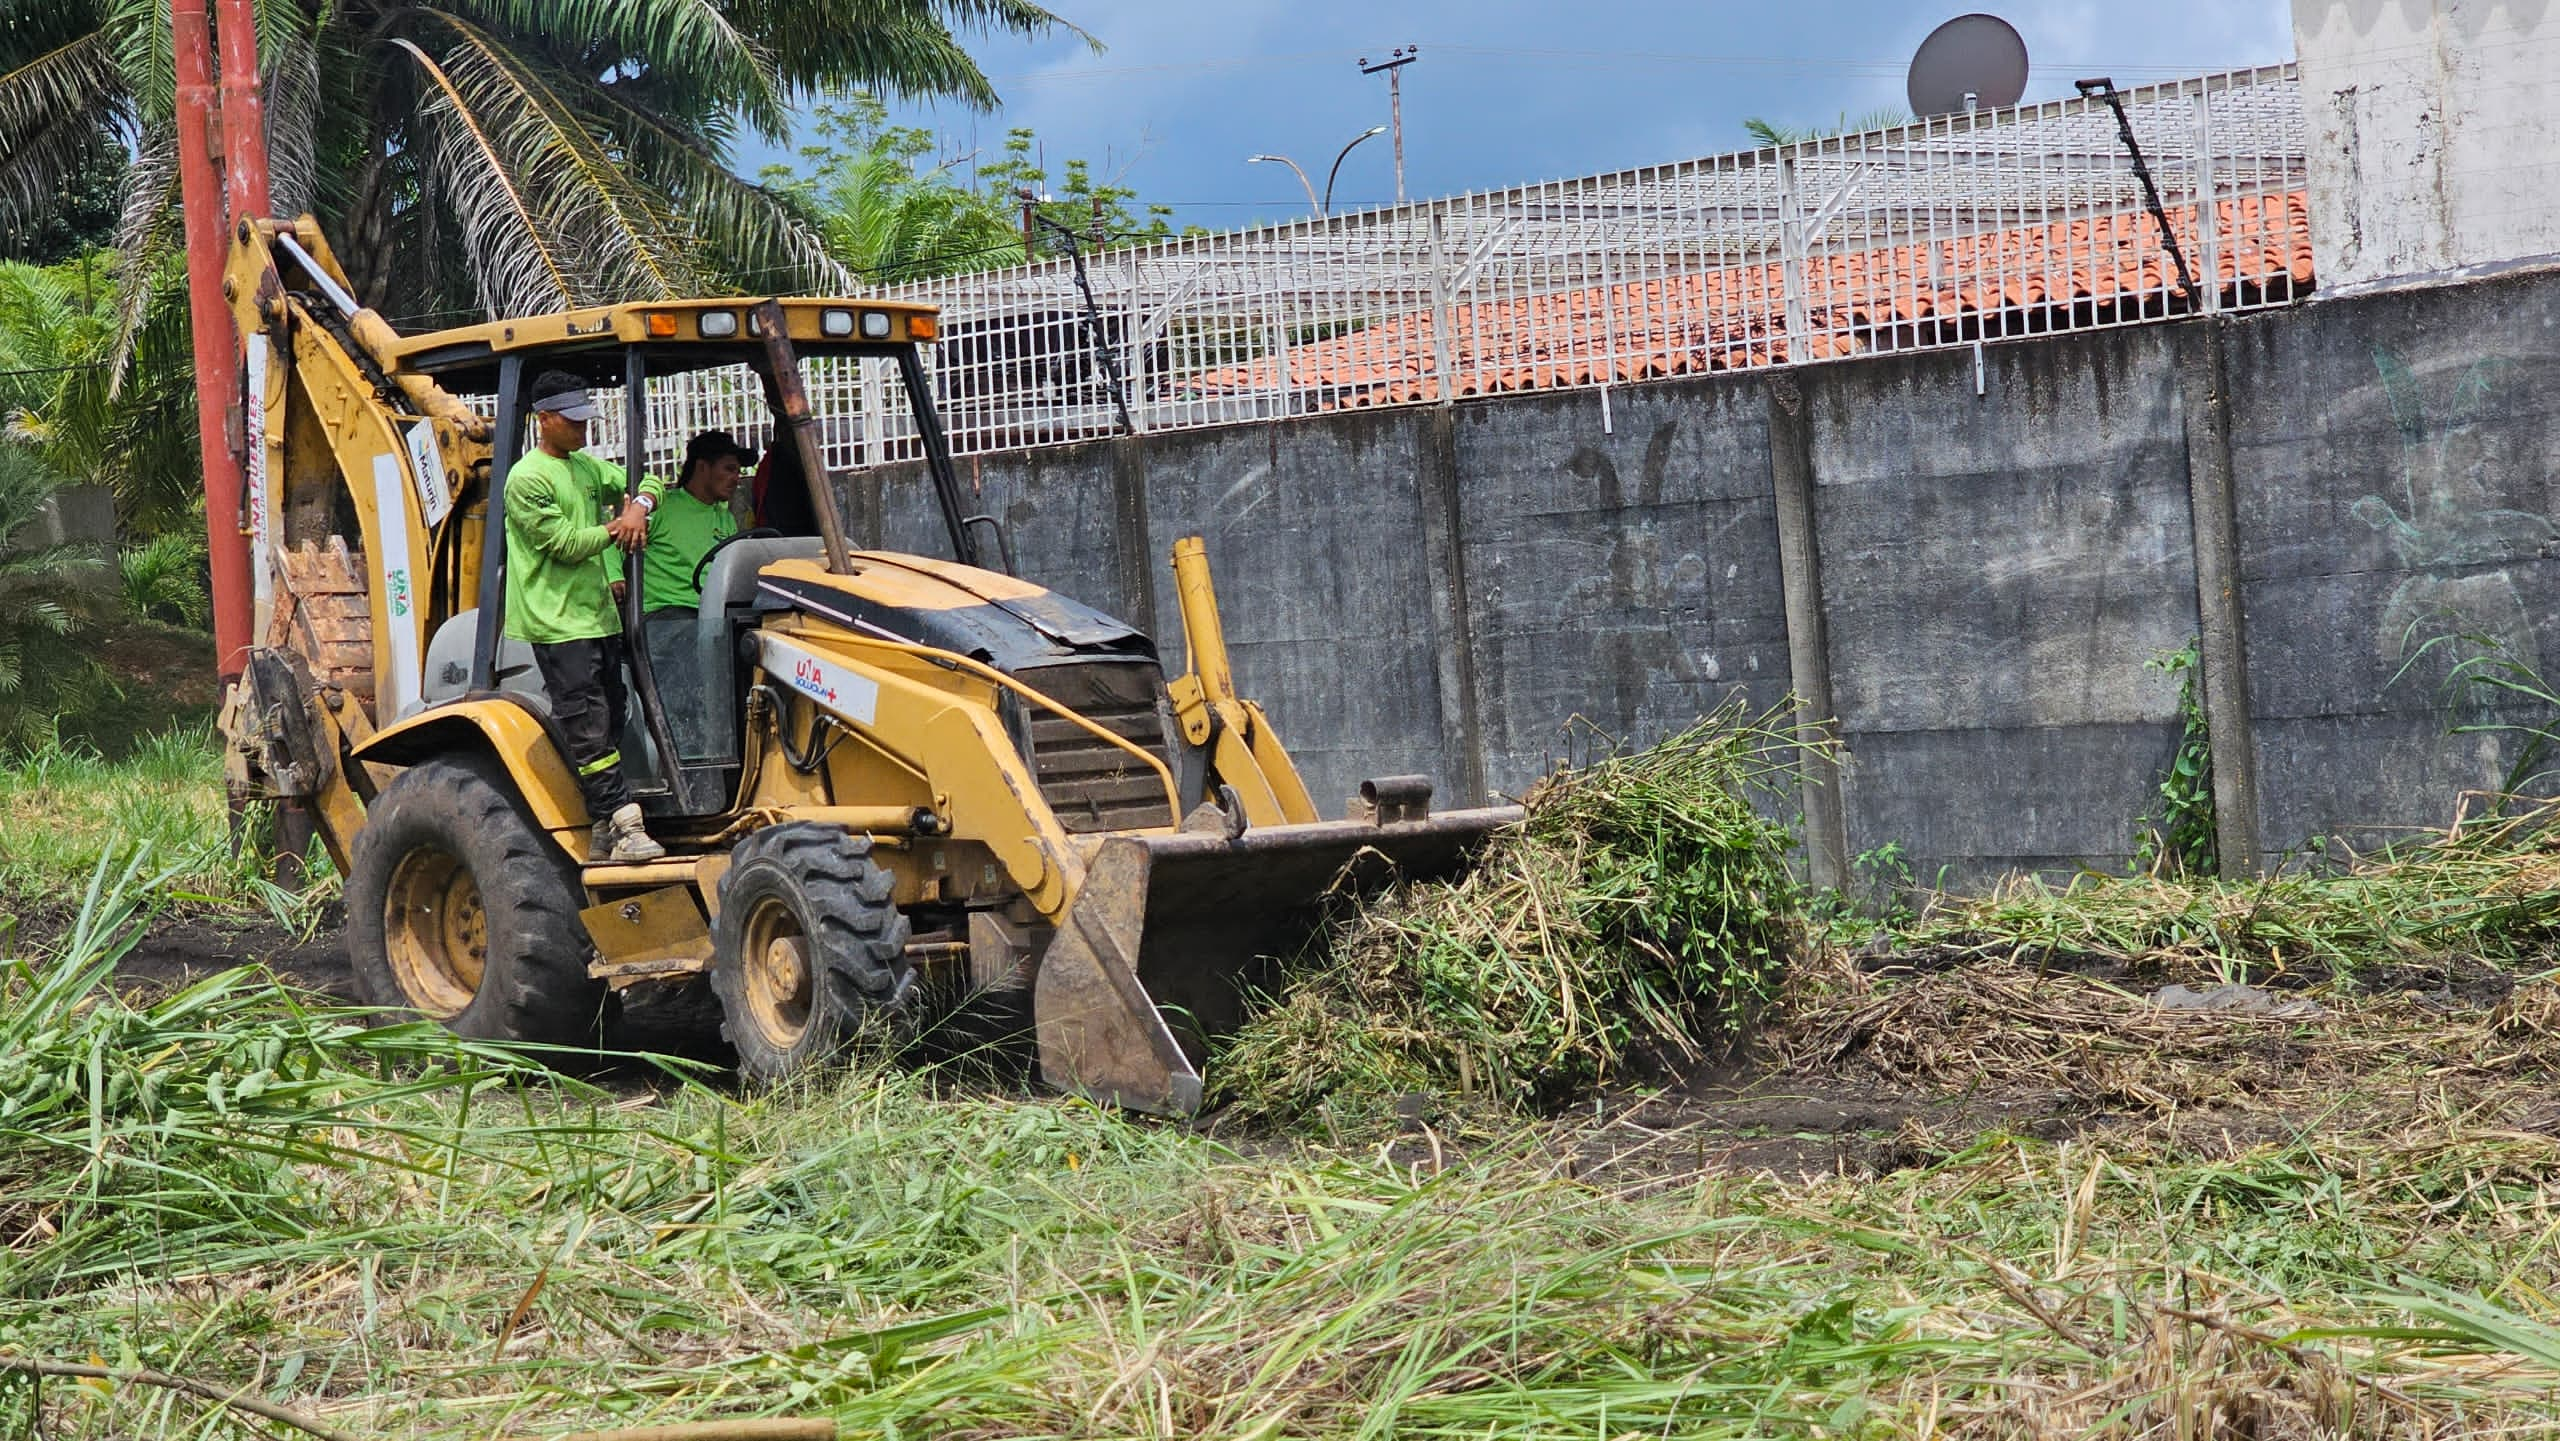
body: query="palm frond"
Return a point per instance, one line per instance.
(517, 271)
(895, 47)
(146, 51)
(646, 44)
(50, 110)
(146, 236)
(292, 84)
(752, 236)
(634, 245)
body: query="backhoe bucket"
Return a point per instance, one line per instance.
(1170, 933)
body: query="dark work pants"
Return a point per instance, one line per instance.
(584, 679)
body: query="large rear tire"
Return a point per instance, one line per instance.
(807, 948)
(461, 910)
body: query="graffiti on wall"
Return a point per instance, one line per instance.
(2458, 600)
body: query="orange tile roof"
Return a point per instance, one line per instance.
(1988, 286)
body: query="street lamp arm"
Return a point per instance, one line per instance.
(1327, 207)
(1303, 182)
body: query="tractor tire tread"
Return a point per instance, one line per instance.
(856, 935)
(535, 987)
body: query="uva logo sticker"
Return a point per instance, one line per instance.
(834, 687)
(812, 677)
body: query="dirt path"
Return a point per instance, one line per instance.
(182, 948)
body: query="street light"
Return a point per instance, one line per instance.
(1373, 130)
(1309, 185)
(1324, 206)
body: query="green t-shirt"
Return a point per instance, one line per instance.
(682, 531)
(561, 565)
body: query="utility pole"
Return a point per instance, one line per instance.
(217, 348)
(1394, 64)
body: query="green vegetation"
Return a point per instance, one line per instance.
(1769, 133)
(889, 212)
(1639, 916)
(2309, 1228)
(511, 157)
(2181, 840)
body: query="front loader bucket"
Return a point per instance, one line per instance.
(1170, 932)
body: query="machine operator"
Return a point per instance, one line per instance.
(690, 520)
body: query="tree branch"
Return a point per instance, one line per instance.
(235, 1400)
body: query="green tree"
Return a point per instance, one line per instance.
(494, 155)
(47, 596)
(62, 404)
(888, 211)
(79, 217)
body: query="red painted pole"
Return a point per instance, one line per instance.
(244, 112)
(217, 342)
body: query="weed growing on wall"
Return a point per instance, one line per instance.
(2179, 839)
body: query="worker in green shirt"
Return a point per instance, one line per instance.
(690, 520)
(566, 514)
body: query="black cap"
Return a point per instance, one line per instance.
(710, 445)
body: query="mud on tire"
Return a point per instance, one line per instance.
(807, 947)
(461, 910)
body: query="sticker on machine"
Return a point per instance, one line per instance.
(836, 687)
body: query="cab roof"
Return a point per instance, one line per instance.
(591, 342)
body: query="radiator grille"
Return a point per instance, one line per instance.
(1092, 784)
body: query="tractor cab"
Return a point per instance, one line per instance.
(689, 668)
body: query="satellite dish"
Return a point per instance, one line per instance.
(1971, 62)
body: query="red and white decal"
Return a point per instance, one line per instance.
(836, 687)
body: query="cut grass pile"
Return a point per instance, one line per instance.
(2489, 890)
(406, 1235)
(1633, 921)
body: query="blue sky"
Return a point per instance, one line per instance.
(1508, 92)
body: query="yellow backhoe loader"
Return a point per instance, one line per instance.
(879, 777)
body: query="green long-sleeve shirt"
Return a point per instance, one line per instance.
(561, 565)
(682, 531)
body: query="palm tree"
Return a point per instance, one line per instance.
(1771, 135)
(47, 593)
(61, 405)
(494, 156)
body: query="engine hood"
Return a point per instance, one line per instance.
(998, 619)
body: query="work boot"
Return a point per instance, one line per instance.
(623, 840)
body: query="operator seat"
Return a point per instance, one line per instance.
(728, 598)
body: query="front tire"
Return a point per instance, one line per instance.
(461, 910)
(806, 948)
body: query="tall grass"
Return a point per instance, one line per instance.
(65, 810)
(405, 1234)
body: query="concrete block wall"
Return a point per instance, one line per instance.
(1966, 563)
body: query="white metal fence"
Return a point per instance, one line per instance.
(1945, 232)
